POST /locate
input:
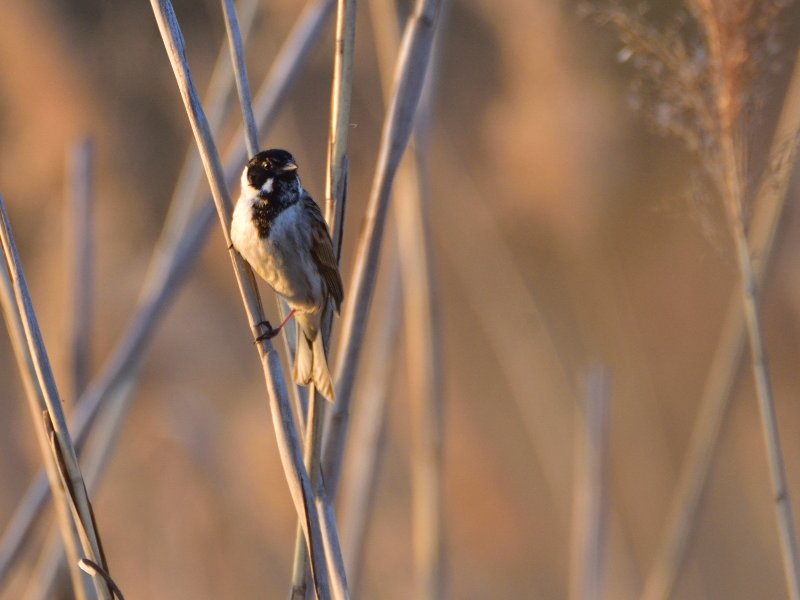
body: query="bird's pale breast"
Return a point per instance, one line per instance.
(283, 258)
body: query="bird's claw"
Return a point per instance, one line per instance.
(268, 334)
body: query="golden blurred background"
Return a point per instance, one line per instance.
(564, 237)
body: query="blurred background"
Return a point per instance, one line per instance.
(565, 235)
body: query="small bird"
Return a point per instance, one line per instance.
(279, 229)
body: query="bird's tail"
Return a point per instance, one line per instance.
(311, 364)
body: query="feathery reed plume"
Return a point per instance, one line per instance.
(179, 245)
(729, 49)
(767, 211)
(60, 441)
(732, 50)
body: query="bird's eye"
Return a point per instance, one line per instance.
(256, 176)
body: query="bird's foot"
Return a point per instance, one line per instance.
(268, 334)
(272, 332)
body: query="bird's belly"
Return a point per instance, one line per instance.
(281, 259)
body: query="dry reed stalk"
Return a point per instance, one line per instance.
(47, 579)
(365, 444)
(727, 41)
(591, 489)
(50, 563)
(60, 440)
(516, 330)
(411, 67)
(240, 75)
(171, 261)
(189, 185)
(335, 190)
(80, 197)
(421, 324)
(283, 420)
(236, 47)
(423, 359)
(768, 208)
(65, 527)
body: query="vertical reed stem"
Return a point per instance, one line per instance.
(591, 490)
(769, 418)
(412, 64)
(696, 466)
(283, 421)
(80, 196)
(61, 436)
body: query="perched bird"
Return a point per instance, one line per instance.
(279, 229)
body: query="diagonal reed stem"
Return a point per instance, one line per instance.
(291, 455)
(36, 403)
(780, 490)
(313, 438)
(410, 73)
(768, 208)
(61, 439)
(170, 262)
(732, 191)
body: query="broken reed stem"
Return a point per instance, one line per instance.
(44, 583)
(61, 437)
(283, 420)
(410, 72)
(169, 264)
(174, 230)
(80, 197)
(591, 489)
(36, 403)
(768, 208)
(335, 189)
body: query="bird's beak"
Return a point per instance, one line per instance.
(290, 167)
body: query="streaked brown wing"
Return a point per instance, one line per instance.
(322, 251)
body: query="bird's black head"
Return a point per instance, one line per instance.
(270, 164)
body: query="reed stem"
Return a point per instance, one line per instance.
(179, 245)
(61, 441)
(283, 421)
(411, 68)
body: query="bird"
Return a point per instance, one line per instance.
(279, 230)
